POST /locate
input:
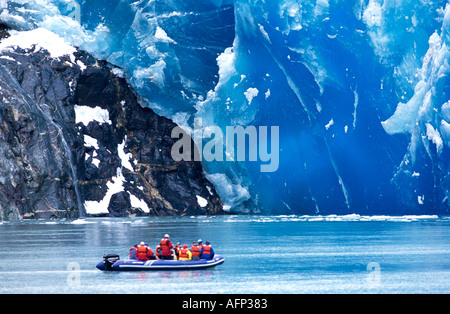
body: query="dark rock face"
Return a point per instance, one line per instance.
(49, 170)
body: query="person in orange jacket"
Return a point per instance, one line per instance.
(144, 253)
(195, 250)
(166, 247)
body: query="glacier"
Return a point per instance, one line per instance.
(360, 90)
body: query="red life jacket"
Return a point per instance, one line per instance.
(166, 245)
(142, 251)
(206, 250)
(183, 253)
(195, 249)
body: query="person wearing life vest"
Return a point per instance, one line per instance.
(151, 255)
(207, 252)
(158, 252)
(195, 250)
(166, 247)
(185, 254)
(133, 252)
(144, 253)
(177, 249)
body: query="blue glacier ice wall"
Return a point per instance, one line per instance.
(360, 90)
(345, 81)
(165, 48)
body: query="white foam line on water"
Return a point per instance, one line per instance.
(332, 218)
(43, 272)
(240, 219)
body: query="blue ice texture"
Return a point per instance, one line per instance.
(360, 90)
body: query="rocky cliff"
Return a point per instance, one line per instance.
(74, 141)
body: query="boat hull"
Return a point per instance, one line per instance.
(135, 265)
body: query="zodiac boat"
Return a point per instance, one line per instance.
(112, 262)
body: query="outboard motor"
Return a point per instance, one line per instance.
(109, 260)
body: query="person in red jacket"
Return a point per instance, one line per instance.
(166, 247)
(195, 250)
(144, 253)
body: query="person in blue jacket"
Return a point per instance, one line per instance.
(133, 252)
(207, 252)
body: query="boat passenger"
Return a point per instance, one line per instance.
(185, 254)
(133, 252)
(158, 252)
(144, 253)
(207, 252)
(177, 249)
(195, 250)
(166, 247)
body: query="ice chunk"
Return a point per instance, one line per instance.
(330, 124)
(420, 199)
(81, 221)
(373, 14)
(11, 19)
(118, 72)
(162, 36)
(446, 111)
(445, 131)
(234, 193)
(435, 137)
(250, 94)
(322, 7)
(226, 62)
(154, 73)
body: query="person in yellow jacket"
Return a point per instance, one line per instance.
(185, 254)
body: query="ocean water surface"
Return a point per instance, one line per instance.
(264, 254)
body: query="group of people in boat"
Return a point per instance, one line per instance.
(167, 251)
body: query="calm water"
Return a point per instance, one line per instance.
(264, 254)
